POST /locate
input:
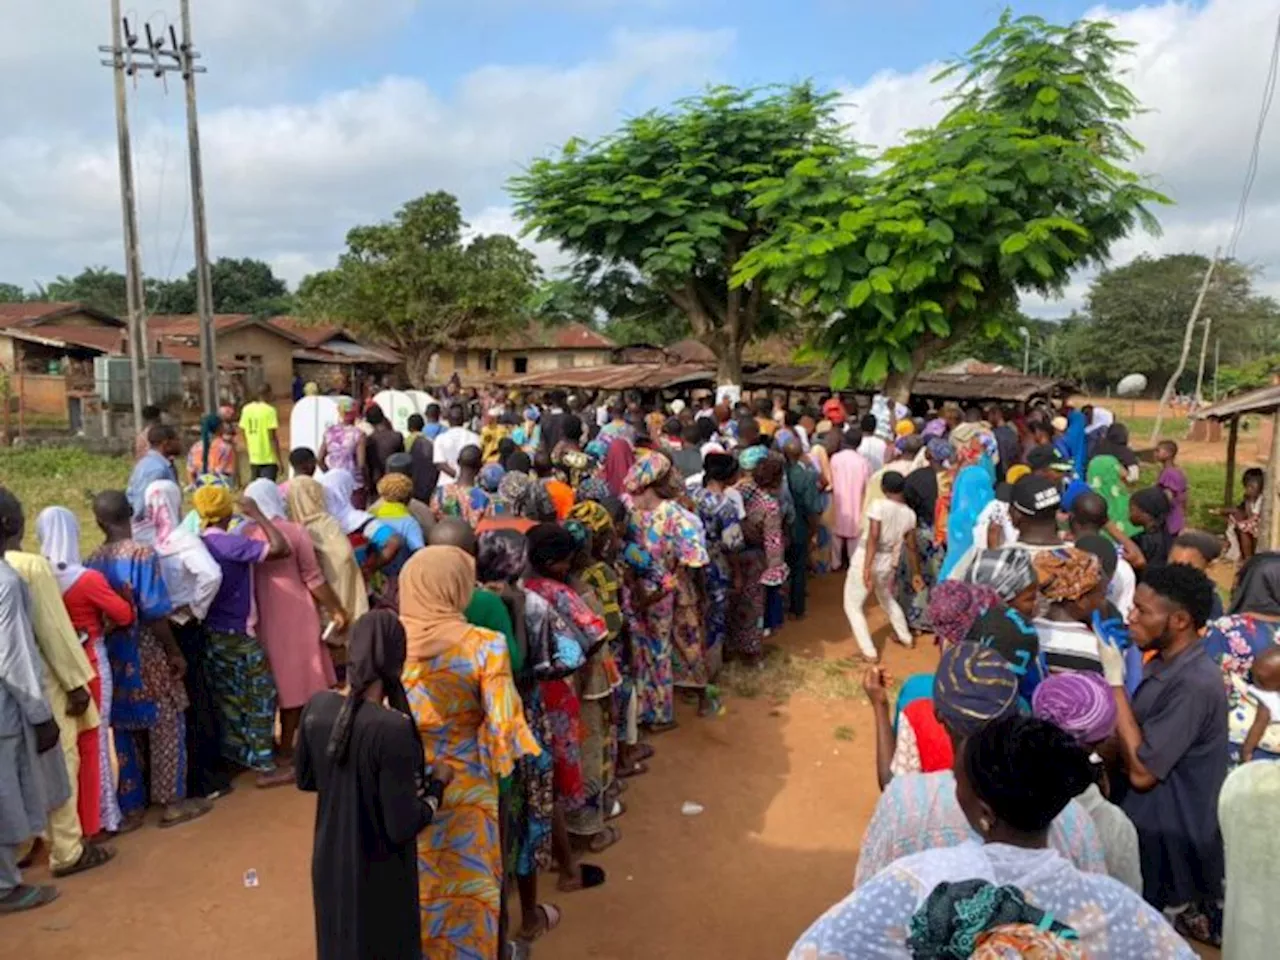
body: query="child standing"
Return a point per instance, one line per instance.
(1174, 484)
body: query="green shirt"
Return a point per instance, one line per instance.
(487, 610)
(257, 420)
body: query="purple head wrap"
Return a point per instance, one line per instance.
(1081, 704)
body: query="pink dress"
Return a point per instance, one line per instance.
(850, 471)
(288, 624)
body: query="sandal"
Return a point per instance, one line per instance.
(90, 857)
(549, 915)
(634, 770)
(604, 839)
(37, 848)
(662, 727)
(184, 812)
(642, 751)
(26, 897)
(589, 876)
(279, 777)
(616, 809)
(131, 823)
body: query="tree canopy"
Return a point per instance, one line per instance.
(1020, 183)
(668, 197)
(415, 283)
(627, 310)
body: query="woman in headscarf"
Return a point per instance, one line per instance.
(395, 490)
(1072, 582)
(1010, 574)
(215, 451)
(972, 489)
(761, 564)
(922, 493)
(1252, 625)
(361, 753)
(1014, 778)
(721, 517)
(1106, 477)
(464, 702)
(1082, 705)
(1075, 442)
(669, 635)
(1116, 444)
(528, 435)
(93, 608)
(288, 625)
(343, 448)
(193, 578)
(1150, 546)
(379, 550)
(520, 495)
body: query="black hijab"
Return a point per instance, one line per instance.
(423, 470)
(376, 652)
(1116, 444)
(1258, 587)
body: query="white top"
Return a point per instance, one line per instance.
(1068, 647)
(448, 445)
(1267, 698)
(1123, 583)
(997, 512)
(191, 575)
(873, 448)
(896, 521)
(1118, 835)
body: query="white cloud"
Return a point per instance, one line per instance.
(1199, 71)
(285, 181)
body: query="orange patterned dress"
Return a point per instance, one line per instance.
(469, 714)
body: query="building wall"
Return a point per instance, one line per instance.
(275, 352)
(471, 363)
(6, 353)
(43, 395)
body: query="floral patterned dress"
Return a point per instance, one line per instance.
(468, 712)
(1234, 642)
(763, 565)
(668, 637)
(722, 524)
(455, 500)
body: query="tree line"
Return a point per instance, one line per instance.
(743, 212)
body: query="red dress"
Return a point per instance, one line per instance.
(88, 600)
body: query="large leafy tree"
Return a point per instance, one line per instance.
(242, 285)
(628, 310)
(12, 293)
(416, 284)
(668, 198)
(96, 287)
(1020, 183)
(1137, 316)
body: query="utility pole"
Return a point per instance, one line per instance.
(1204, 352)
(163, 55)
(1217, 358)
(135, 298)
(204, 279)
(1186, 346)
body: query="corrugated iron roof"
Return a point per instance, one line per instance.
(188, 325)
(1262, 400)
(569, 336)
(616, 376)
(38, 313)
(948, 386)
(98, 339)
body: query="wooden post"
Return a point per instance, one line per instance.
(1267, 533)
(1233, 436)
(18, 360)
(1169, 387)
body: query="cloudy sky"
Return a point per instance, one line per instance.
(319, 114)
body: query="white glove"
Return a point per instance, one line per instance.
(1112, 663)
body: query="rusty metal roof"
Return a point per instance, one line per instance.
(1008, 387)
(615, 376)
(1262, 400)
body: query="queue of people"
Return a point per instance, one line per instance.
(468, 636)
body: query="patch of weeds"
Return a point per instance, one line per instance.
(781, 675)
(844, 733)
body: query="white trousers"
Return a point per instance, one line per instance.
(855, 600)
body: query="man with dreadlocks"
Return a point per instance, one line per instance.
(367, 764)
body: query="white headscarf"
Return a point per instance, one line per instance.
(266, 495)
(59, 533)
(1102, 418)
(190, 573)
(339, 485)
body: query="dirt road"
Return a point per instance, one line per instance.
(785, 805)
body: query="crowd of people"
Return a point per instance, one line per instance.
(464, 638)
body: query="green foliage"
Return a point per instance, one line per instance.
(669, 198)
(95, 287)
(1137, 315)
(1248, 376)
(632, 311)
(239, 286)
(414, 282)
(12, 293)
(62, 476)
(1020, 183)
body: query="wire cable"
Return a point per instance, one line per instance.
(1251, 170)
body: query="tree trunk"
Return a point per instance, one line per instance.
(729, 363)
(417, 363)
(897, 386)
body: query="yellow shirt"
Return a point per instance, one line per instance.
(257, 420)
(65, 663)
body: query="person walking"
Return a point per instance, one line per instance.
(260, 426)
(891, 526)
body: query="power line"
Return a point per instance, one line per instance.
(1251, 170)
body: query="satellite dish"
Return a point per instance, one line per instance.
(1132, 385)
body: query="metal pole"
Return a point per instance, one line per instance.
(1217, 358)
(204, 280)
(132, 260)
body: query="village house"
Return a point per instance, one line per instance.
(532, 350)
(259, 352)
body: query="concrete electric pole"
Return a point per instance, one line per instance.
(163, 55)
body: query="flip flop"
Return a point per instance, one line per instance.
(189, 810)
(90, 857)
(642, 751)
(616, 810)
(589, 876)
(26, 897)
(604, 839)
(280, 777)
(37, 848)
(550, 920)
(634, 770)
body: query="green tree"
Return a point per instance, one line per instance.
(668, 198)
(242, 285)
(1137, 315)
(628, 310)
(415, 284)
(12, 293)
(95, 287)
(1021, 182)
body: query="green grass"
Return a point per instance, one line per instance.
(61, 476)
(783, 674)
(1205, 483)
